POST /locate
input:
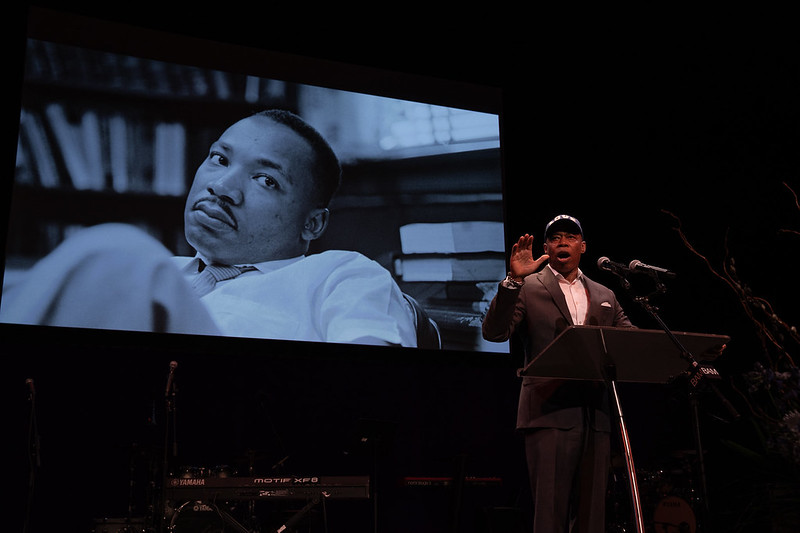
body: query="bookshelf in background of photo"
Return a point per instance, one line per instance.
(105, 137)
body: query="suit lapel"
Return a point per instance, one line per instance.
(551, 284)
(594, 302)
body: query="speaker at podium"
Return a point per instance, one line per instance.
(614, 355)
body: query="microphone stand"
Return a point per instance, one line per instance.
(170, 423)
(697, 376)
(611, 380)
(33, 450)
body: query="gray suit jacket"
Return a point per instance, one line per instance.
(538, 313)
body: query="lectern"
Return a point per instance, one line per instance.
(612, 355)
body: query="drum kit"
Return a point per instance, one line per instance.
(201, 516)
(670, 501)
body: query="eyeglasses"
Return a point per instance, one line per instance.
(568, 237)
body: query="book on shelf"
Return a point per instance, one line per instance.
(454, 292)
(118, 152)
(452, 267)
(35, 162)
(169, 168)
(73, 142)
(470, 236)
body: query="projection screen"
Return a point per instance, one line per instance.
(116, 120)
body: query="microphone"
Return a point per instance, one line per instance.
(172, 366)
(604, 263)
(638, 266)
(29, 383)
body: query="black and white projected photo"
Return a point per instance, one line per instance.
(139, 179)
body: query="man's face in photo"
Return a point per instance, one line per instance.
(252, 196)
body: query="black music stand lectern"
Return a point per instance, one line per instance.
(612, 355)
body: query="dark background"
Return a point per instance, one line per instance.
(614, 122)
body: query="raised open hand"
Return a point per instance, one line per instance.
(521, 263)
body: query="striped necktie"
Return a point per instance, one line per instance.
(205, 281)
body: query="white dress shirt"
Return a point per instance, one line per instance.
(333, 296)
(576, 296)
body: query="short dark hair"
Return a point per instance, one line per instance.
(326, 169)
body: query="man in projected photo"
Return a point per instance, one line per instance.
(257, 201)
(566, 423)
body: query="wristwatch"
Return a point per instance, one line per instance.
(511, 283)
